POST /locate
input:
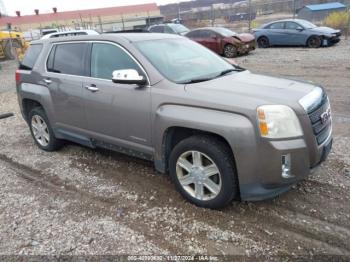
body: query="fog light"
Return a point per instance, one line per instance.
(286, 166)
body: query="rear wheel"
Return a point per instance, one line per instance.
(9, 51)
(203, 171)
(263, 42)
(41, 130)
(314, 42)
(230, 51)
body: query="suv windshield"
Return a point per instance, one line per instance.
(182, 60)
(178, 28)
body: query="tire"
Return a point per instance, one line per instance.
(230, 51)
(314, 42)
(43, 134)
(213, 152)
(9, 52)
(263, 42)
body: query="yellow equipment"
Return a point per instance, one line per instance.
(19, 45)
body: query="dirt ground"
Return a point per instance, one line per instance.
(83, 201)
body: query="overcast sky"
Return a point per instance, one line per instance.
(27, 7)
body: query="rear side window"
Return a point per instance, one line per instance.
(279, 25)
(67, 59)
(105, 58)
(205, 34)
(30, 57)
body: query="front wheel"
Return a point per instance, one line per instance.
(314, 42)
(203, 171)
(230, 51)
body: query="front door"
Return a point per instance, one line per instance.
(116, 113)
(295, 34)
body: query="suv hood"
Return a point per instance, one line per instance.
(247, 90)
(325, 30)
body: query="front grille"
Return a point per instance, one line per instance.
(321, 129)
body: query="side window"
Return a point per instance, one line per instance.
(205, 34)
(106, 58)
(30, 57)
(193, 34)
(50, 60)
(292, 26)
(212, 34)
(157, 29)
(69, 59)
(279, 25)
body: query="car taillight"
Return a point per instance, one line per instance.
(18, 77)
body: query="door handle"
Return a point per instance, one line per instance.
(47, 81)
(92, 88)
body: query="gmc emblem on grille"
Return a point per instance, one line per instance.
(326, 116)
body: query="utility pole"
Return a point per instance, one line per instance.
(100, 22)
(294, 8)
(250, 15)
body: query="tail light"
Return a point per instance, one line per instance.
(18, 77)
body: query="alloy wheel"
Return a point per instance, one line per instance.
(230, 51)
(40, 130)
(198, 175)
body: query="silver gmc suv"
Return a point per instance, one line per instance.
(220, 131)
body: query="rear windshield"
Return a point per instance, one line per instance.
(30, 57)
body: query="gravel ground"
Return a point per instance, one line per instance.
(82, 201)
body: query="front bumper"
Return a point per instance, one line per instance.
(272, 183)
(328, 41)
(247, 47)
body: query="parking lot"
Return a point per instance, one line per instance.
(83, 201)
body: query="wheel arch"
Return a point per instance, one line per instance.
(263, 36)
(314, 35)
(176, 122)
(28, 105)
(175, 134)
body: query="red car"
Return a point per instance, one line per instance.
(223, 41)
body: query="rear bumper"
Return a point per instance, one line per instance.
(271, 183)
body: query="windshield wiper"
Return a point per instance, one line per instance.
(227, 71)
(196, 80)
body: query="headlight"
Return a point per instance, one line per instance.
(312, 99)
(278, 121)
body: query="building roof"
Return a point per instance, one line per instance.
(326, 6)
(74, 15)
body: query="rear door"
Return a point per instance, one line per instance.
(276, 34)
(116, 113)
(65, 69)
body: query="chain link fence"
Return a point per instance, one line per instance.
(243, 15)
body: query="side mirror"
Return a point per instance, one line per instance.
(300, 29)
(128, 76)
